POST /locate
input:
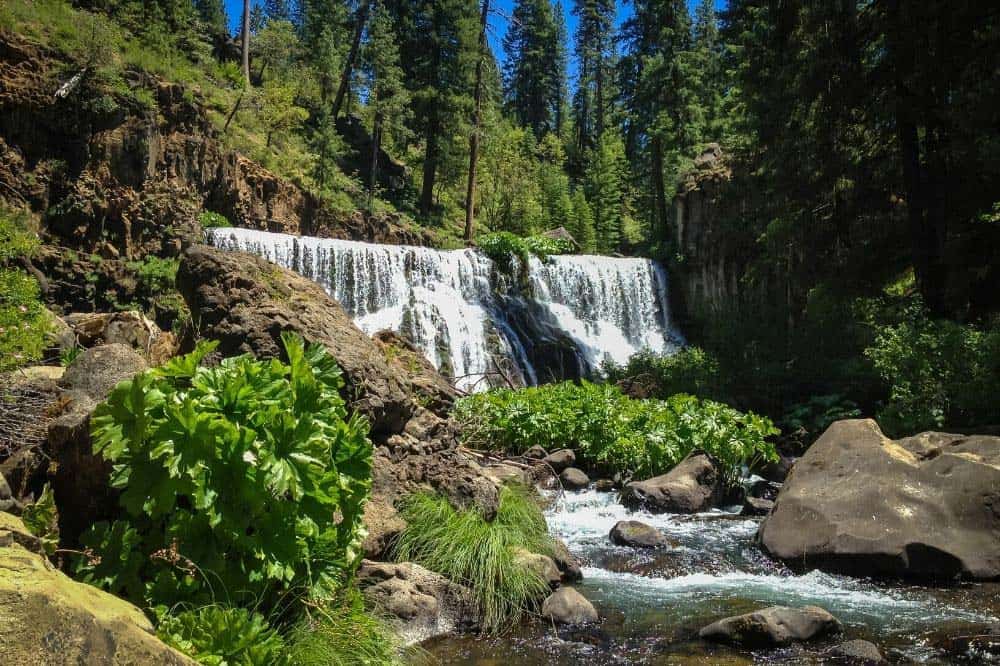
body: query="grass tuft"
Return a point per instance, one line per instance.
(343, 634)
(465, 547)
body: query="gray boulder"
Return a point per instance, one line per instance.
(567, 606)
(536, 453)
(923, 506)
(568, 565)
(756, 506)
(772, 627)
(560, 460)
(637, 535)
(857, 652)
(694, 485)
(543, 565)
(574, 479)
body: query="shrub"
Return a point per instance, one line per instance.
(938, 372)
(813, 417)
(24, 323)
(502, 245)
(343, 634)
(466, 548)
(42, 520)
(689, 370)
(608, 430)
(218, 636)
(208, 220)
(246, 478)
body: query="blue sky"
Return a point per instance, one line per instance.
(498, 23)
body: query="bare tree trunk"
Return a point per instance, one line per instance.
(245, 39)
(470, 192)
(352, 56)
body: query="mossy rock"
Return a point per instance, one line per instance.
(47, 618)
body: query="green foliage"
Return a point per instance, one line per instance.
(68, 355)
(24, 324)
(688, 370)
(604, 184)
(608, 430)
(209, 219)
(218, 636)
(500, 246)
(343, 634)
(42, 520)
(156, 274)
(246, 479)
(938, 372)
(466, 548)
(813, 417)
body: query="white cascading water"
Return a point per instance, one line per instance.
(456, 305)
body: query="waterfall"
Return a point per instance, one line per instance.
(467, 315)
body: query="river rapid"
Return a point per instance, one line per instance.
(652, 603)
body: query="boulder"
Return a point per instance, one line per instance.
(604, 485)
(419, 602)
(857, 652)
(926, 506)
(536, 453)
(246, 303)
(432, 389)
(755, 506)
(543, 565)
(504, 473)
(560, 460)
(567, 606)
(384, 525)
(131, 328)
(574, 479)
(47, 618)
(637, 535)
(772, 627)
(568, 565)
(80, 478)
(693, 485)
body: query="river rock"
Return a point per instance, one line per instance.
(567, 606)
(693, 485)
(419, 602)
(637, 535)
(574, 479)
(246, 303)
(543, 565)
(604, 485)
(857, 652)
(772, 627)
(505, 473)
(568, 565)
(384, 525)
(47, 618)
(924, 506)
(536, 453)
(560, 460)
(756, 506)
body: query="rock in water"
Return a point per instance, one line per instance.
(755, 506)
(567, 606)
(859, 503)
(568, 565)
(772, 627)
(574, 479)
(693, 486)
(543, 565)
(636, 534)
(560, 460)
(47, 618)
(858, 652)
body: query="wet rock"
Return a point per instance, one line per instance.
(754, 506)
(772, 627)
(604, 485)
(923, 506)
(560, 460)
(777, 471)
(384, 525)
(574, 479)
(568, 565)
(567, 606)
(637, 535)
(536, 453)
(543, 565)
(50, 619)
(857, 652)
(693, 486)
(419, 602)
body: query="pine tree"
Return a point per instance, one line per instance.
(582, 222)
(213, 13)
(533, 75)
(604, 183)
(595, 53)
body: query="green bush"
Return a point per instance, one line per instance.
(611, 431)
(466, 548)
(24, 324)
(939, 373)
(811, 418)
(208, 220)
(218, 636)
(502, 245)
(689, 370)
(246, 480)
